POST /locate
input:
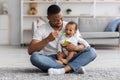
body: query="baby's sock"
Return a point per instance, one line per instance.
(53, 71)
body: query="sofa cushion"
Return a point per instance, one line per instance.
(100, 34)
(112, 41)
(93, 24)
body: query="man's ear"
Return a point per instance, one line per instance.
(48, 17)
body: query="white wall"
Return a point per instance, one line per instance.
(14, 12)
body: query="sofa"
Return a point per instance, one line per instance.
(93, 30)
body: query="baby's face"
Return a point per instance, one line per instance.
(70, 30)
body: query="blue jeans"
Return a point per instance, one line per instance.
(44, 62)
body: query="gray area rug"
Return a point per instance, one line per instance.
(35, 74)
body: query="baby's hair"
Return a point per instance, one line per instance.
(72, 22)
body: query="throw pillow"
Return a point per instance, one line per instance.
(112, 26)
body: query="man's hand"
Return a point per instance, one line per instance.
(53, 35)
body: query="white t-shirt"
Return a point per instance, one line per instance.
(73, 39)
(43, 31)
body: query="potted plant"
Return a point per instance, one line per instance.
(68, 11)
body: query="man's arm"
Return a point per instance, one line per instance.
(37, 45)
(71, 47)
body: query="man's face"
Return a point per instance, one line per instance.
(56, 20)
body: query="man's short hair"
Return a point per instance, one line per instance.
(53, 9)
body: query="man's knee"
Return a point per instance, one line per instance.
(34, 57)
(92, 53)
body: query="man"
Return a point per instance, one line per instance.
(43, 46)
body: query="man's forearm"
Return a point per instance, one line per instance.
(80, 47)
(71, 47)
(37, 46)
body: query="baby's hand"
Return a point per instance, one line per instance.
(64, 43)
(60, 55)
(63, 46)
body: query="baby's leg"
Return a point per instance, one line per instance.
(58, 61)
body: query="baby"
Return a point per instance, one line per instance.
(69, 36)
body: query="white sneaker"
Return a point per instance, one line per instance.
(50, 72)
(81, 71)
(53, 71)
